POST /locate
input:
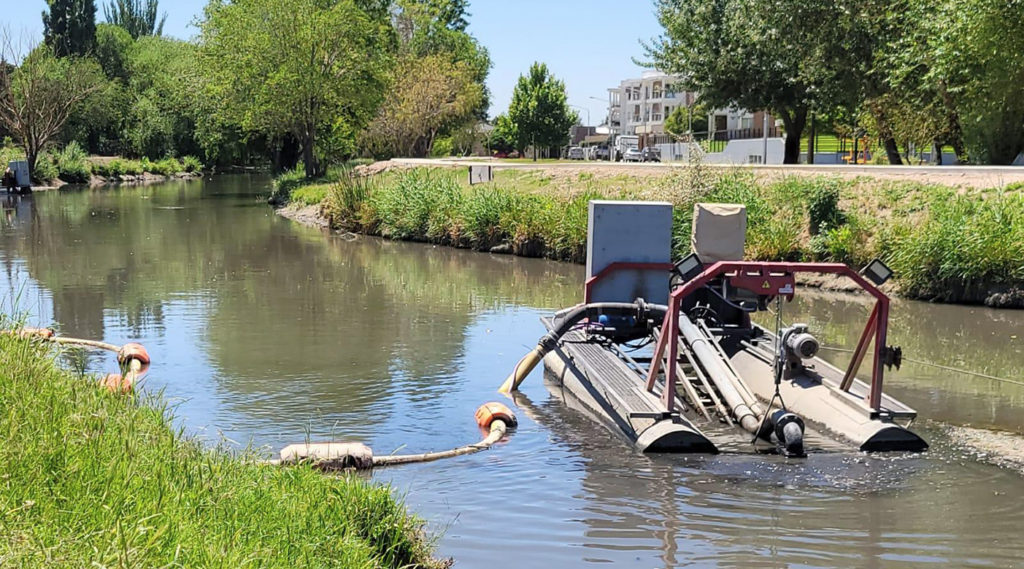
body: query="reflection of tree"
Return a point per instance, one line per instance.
(347, 322)
(298, 317)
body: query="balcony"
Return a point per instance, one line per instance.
(656, 118)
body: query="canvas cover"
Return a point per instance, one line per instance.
(719, 231)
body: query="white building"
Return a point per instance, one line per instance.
(641, 107)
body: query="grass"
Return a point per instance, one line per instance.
(90, 479)
(944, 243)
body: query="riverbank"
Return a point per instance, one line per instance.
(94, 479)
(945, 243)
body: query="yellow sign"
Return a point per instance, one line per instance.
(766, 285)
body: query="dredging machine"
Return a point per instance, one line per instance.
(661, 352)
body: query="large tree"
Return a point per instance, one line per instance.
(38, 96)
(138, 17)
(69, 26)
(540, 111)
(429, 94)
(438, 84)
(756, 55)
(306, 69)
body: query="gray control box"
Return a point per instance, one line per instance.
(631, 232)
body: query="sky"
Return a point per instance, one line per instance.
(588, 44)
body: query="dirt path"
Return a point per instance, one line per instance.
(957, 176)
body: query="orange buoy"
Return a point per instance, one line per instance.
(116, 383)
(489, 412)
(132, 351)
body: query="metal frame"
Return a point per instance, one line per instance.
(773, 277)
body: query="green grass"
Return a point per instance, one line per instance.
(90, 479)
(943, 243)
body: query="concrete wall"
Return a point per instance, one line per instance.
(749, 151)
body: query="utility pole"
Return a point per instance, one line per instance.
(764, 132)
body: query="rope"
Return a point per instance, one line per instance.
(940, 366)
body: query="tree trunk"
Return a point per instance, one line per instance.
(307, 154)
(810, 143)
(937, 153)
(892, 151)
(794, 121)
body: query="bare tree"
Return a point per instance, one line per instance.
(39, 91)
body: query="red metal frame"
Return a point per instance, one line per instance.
(777, 276)
(620, 266)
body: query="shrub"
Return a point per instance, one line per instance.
(823, 205)
(191, 164)
(45, 170)
(442, 147)
(73, 164)
(309, 195)
(285, 183)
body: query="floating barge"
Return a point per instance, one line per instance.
(660, 352)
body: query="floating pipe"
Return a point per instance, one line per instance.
(565, 320)
(494, 417)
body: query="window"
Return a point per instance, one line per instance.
(747, 122)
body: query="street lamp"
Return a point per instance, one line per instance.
(583, 109)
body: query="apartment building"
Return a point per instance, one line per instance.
(641, 106)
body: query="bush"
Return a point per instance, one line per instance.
(286, 183)
(45, 170)
(823, 205)
(963, 243)
(309, 195)
(191, 164)
(442, 147)
(73, 164)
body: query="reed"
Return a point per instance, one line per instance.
(944, 243)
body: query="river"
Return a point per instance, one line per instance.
(266, 332)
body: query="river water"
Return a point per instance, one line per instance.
(266, 332)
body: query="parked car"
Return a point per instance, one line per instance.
(650, 154)
(601, 153)
(632, 155)
(575, 153)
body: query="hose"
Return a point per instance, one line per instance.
(564, 321)
(132, 357)
(495, 417)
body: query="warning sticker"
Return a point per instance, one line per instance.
(788, 289)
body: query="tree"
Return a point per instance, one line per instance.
(438, 84)
(539, 110)
(69, 26)
(756, 55)
(303, 68)
(503, 137)
(37, 97)
(138, 17)
(685, 120)
(429, 94)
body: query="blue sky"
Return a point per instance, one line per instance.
(587, 44)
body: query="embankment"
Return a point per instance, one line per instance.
(92, 479)
(948, 244)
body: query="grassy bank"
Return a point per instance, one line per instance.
(947, 244)
(89, 479)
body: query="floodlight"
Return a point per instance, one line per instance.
(877, 272)
(689, 267)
